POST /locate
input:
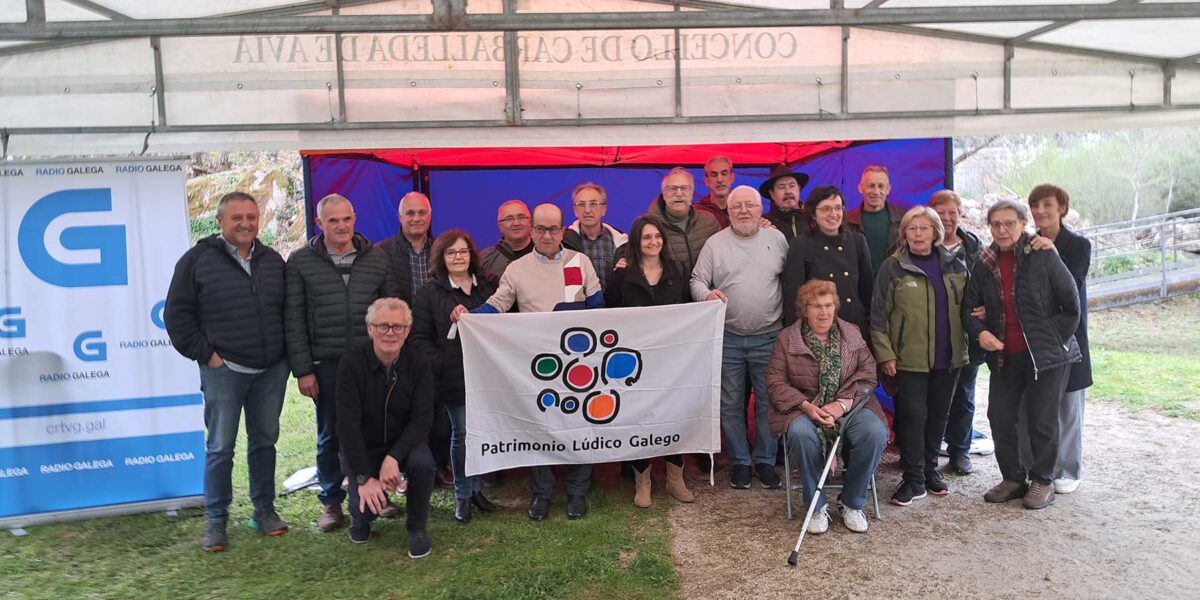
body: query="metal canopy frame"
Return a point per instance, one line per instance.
(451, 16)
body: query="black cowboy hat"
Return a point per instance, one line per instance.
(777, 172)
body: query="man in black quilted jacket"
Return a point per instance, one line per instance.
(225, 311)
(330, 284)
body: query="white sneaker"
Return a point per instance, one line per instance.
(854, 520)
(982, 446)
(820, 521)
(1066, 485)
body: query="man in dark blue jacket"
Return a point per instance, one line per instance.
(225, 311)
(330, 283)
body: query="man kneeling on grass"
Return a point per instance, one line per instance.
(384, 413)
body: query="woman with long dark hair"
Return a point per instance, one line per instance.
(650, 278)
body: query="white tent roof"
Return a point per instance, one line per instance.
(95, 76)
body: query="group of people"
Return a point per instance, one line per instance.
(821, 306)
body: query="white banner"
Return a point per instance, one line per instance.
(96, 407)
(592, 386)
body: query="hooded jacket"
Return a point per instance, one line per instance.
(902, 312)
(214, 306)
(791, 223)
(1046, 302)
(685, 244)
(326, 316)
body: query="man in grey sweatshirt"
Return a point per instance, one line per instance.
(742, 266)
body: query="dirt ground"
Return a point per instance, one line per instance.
(1132, 530)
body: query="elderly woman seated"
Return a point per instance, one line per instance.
(818, 368)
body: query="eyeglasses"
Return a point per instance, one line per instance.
(465, 252)
(828, 210)
(390, 327)
(510, 219)
(822, 307)
(1004, 224)
(592, 205)
(677, 189)
(538, 229)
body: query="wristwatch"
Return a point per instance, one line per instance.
(361, 479)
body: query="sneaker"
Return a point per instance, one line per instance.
(1039, 496)
(935, 484)
(854, 519)
(982, 446)
(739, 477)
(539, 508)
(331, 518)
(1065, 485)
(961, 464)
(268, 522)
(906, 492)
(1005, 491)
(419, 545)
(214, 537)
(820, 521)
(577, 506)
(360, 533)
(768, 477)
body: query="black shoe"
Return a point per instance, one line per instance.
(419, 545)
(739, 477)
(482, 503)
(935, 484)
(907, 492)
(961, 463)
(539, 508)
(360, 532)
(768, 477)
(576, 506)
(462, 510)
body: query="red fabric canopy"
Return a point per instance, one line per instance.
(740, 154)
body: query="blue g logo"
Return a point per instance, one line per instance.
(156, 314)
(112, 266)
(90, 346)
(11, 327)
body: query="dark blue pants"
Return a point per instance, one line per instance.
(959, 429)
(329, 467)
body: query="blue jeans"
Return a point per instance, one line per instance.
(962, 413)
(226, 393)
(463, 486)
(329, 466)
(862, 442)
(742, 354)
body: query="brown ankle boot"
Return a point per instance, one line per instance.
(676, 485)
(641, 497)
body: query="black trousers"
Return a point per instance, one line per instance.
(419, 468)
(922, 405)
(439, 436)
(642, 464)
(1015, 389)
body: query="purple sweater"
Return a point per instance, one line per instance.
(941, 331)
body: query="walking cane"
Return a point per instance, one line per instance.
(859, 402)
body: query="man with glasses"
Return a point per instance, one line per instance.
(551, 278)
(512, 219)
(589, 234)
(686, 228)
(742, 266)
(718, 178)
(330, 283)
(408, 251)
(385, 409)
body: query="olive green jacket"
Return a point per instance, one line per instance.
(902, 312)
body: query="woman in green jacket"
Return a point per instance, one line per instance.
(917, 332)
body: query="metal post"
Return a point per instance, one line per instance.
(1168, 69)
(35, 11)
(845, 84)
(160, 87)
(1008, 58)
(341, 71)
(1162, 236)
(678, 69)
(512, 72)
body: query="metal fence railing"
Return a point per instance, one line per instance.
(1151, 258)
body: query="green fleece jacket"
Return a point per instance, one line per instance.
(902, 312)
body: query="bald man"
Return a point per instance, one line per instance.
(536, 283)
(512, 219)
(408, 251)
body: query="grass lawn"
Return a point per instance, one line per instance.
(618, 551)
(1147, 356)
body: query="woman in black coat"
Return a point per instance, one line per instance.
(1049, 204)
(828, 251)
(457, 279)
(650, 278)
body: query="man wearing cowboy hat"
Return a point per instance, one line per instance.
(783, 188)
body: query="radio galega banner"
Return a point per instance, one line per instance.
(96, 407)
(592, 386)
